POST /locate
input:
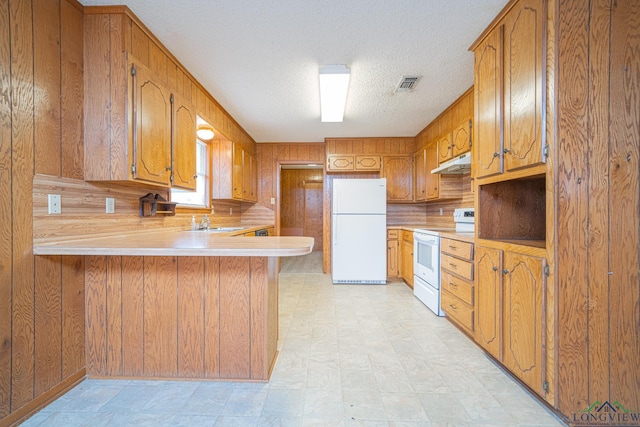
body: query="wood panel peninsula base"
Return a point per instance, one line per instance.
(164, 315)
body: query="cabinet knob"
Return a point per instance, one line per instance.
(495, 268)
(506, 150)
(195, 176)
(505, 271)
(496, 154)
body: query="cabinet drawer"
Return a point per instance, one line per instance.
(407, 235)
(392, 234)
(457, 266)
(460, 249)
(461, 288)
(460, 312)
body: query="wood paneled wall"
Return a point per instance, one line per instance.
(41, 299)
(269, 155)
(382, 146)
(292, 202)
(186, 317)
(597, 199)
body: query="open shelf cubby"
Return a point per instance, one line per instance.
(513, 211)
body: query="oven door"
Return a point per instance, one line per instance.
(426, 258)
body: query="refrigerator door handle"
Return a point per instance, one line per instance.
(335, 233)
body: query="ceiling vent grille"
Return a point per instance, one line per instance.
(407, 83)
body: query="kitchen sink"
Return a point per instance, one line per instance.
(221, 229)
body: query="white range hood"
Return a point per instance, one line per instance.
(457, 165)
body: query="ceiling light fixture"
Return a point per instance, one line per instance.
(334, 83)
(205, 132)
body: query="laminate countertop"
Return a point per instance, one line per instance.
(449, 233)
(182, 243)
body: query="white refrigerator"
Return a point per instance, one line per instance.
(359, 231)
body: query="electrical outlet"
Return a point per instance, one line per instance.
(440, 211)
(230, 211)
(273, 200)
(54, 204)
(110, 205)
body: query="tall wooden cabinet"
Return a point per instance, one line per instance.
(514, 256)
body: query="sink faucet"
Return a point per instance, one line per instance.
(205, 224)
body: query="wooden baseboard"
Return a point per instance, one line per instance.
(20, 415)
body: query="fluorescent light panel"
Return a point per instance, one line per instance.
(334, 83)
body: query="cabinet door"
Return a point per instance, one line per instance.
(184, 144)
(237, 174)
(392, 258)
(523, 331)
(406, 262)
(445, 148)
(254, 179)
(432, 181)
(420, 177)
(246, 176)
(151, 128)
(488, 105)
(524, 79)
(488, 269)
(398, 170)
(340, 163)
(367, 163)
(461, 139)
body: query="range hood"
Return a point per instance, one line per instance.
(458, 165)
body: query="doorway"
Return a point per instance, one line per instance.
(301, 198)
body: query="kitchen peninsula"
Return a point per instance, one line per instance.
(180, 304)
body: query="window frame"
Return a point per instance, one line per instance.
(184, 207)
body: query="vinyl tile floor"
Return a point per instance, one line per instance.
(350, 355)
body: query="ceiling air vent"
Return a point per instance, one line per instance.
(407, 83)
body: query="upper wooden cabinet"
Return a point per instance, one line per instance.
(420, 176)
(235, 176)
(398, 170)
(461, 140)
(509, 71)
(184, 144)
(445, 149)
(351, 163)
(134, 128)
(430, 187)
(151, 128)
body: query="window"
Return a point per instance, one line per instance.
(200, 197)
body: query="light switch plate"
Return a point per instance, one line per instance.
(110, 205)
(54, 203)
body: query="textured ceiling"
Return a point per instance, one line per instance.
(260, 58)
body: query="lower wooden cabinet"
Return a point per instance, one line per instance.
(510, 312)
(393, 247)
(523, 311)
(406, 257)
(457, 293)
(488, 266)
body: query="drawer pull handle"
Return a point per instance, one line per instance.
(453, 247)
(455, 267)
(453, 307)
(453, 284)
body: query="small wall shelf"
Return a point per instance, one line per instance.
(151, 205)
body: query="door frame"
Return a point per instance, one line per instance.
(278, 173)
